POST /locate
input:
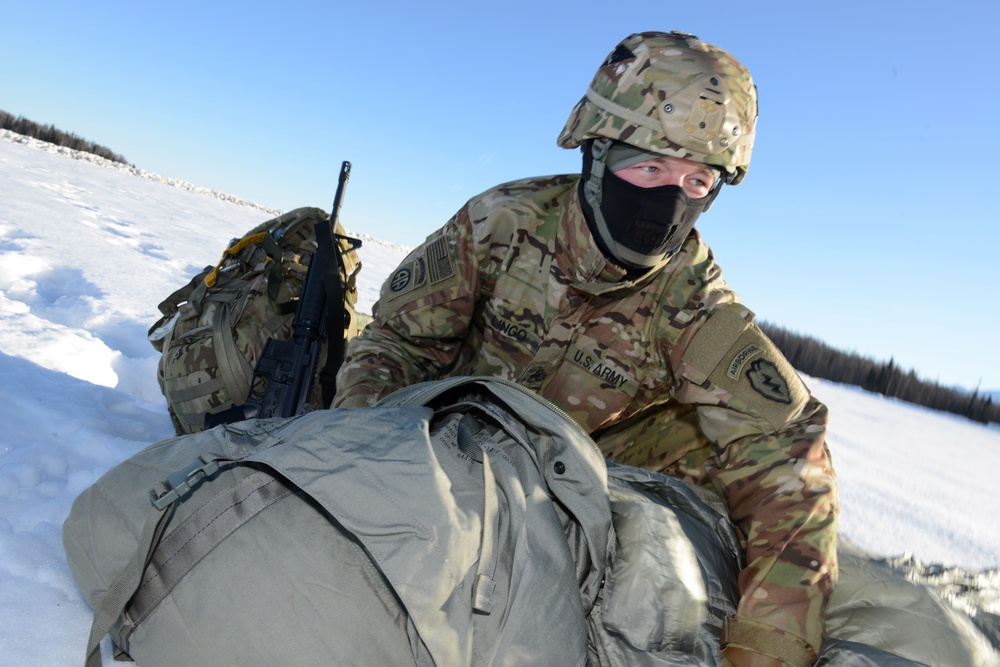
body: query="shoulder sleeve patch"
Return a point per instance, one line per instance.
(429, 265)
(732, 353)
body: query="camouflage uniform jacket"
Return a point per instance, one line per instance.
(667, 372)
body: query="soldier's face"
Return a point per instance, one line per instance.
(696, 178)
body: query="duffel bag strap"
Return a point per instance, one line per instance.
(110, 607)
(157, 566)
(198, 535)
(107, 611)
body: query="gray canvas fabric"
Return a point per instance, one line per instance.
(875, 605)
(460, 522)
(672, 581)
(417, 539)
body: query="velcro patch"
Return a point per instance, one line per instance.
(732, 353)
(428, 266)
(439, 266)
(408, 276)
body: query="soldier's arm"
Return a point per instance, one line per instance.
(420, 321)
(781, 492)
(774, 470)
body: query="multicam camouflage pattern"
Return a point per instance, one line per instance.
(671, 93)
(667, 372)
(213, 331)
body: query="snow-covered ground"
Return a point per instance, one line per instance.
(87, 251)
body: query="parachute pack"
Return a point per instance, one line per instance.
(214, 330)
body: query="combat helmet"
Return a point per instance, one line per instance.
(671, 94)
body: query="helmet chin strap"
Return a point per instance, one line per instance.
(647, 225)
(598, 151)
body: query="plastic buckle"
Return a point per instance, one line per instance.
(182, 482)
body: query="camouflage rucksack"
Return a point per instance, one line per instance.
(214, 329)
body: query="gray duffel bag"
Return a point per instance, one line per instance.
(388, 536)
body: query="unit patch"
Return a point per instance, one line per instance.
(432, 265)
(733, 354)
(408, 276)
(767, 381)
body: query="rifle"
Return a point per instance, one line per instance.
(282, 378)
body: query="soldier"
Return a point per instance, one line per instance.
(596, 291)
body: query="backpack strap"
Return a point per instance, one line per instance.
(172, 303)
(234, 369)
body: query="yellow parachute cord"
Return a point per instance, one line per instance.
(232, 250)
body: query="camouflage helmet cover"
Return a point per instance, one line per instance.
(672, 94)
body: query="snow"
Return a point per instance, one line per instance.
(87, 251)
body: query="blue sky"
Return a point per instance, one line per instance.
(866, 219)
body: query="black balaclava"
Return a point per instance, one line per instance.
(636, 228)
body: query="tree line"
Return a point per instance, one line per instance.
(53, 135)
(805, 353)
(818, 359)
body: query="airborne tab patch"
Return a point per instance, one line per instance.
(740, 360)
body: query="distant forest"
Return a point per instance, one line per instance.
(805, 353)
(53, 135)
(818, 359)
